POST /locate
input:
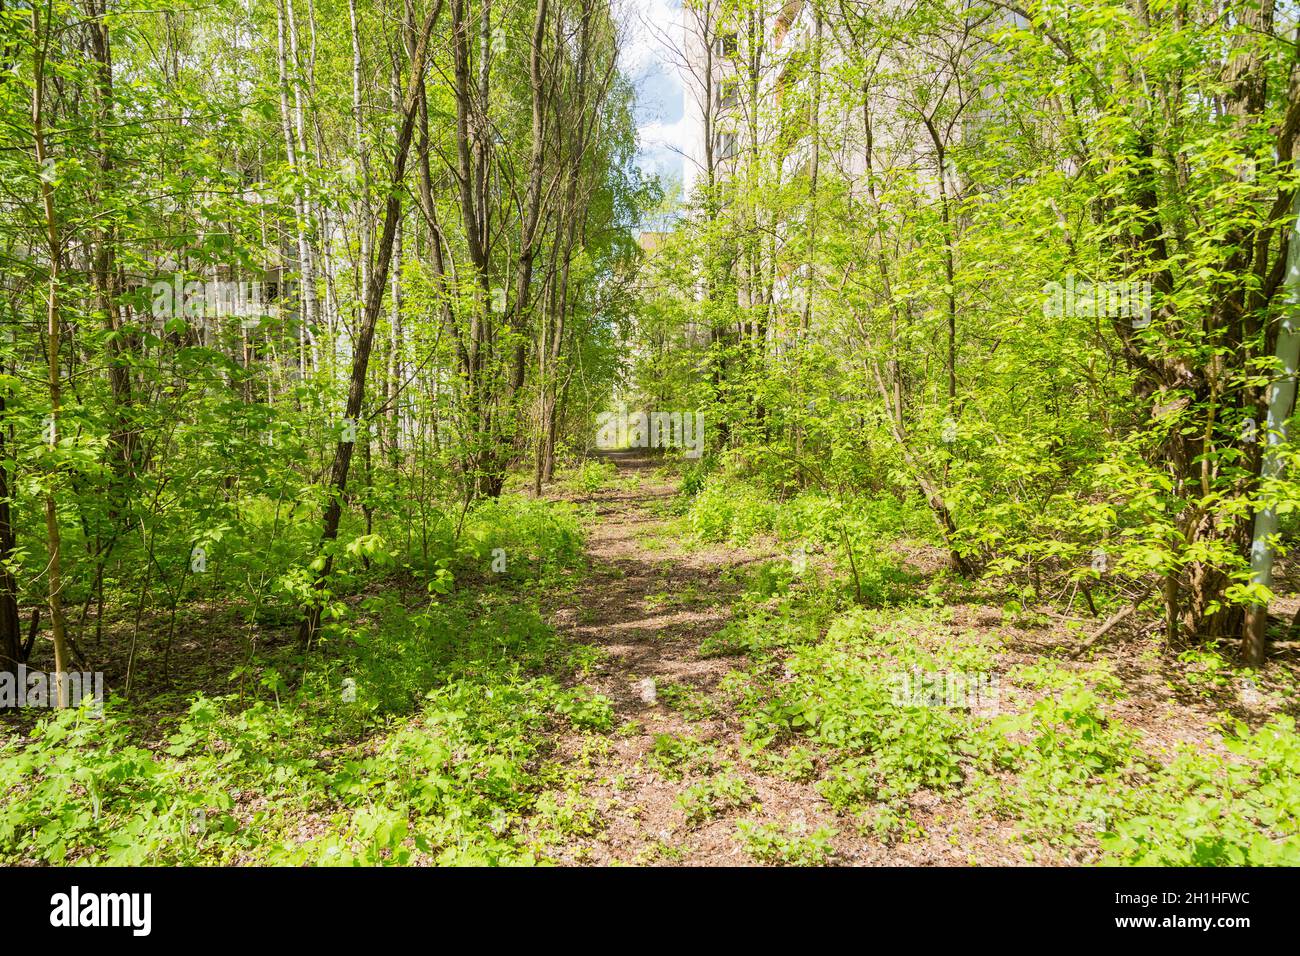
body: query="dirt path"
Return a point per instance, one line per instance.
(647, 604)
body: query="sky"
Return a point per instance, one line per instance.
(653, 29)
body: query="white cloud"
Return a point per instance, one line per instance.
(652, 32)
(646, 23)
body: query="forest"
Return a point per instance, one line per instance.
(396, 469)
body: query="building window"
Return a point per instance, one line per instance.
(728, 92)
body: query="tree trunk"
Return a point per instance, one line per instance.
(365, 338)
(53, 330)
(1281, 404)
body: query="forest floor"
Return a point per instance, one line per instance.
(648, 603)
(678, 702)
(652, 596)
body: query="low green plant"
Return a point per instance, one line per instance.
(789, 845)
(713, 796)
(673, 757)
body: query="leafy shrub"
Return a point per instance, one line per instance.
(585, 710)
(713, 796)
(731, 511)
(673, 757)
(771, 843)
(535, 534)
(1204, 810)
(591, 475)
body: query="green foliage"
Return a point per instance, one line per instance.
(673, 757)
(889, 385)
(421, 735)
(1204, 810)
(920, 349)
(797, 762)
(727, 511)
(713, 796)
(538, 538)
(688, 702)
(586, 711)
(771, 843)
(1058, 764)
(591, 475)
